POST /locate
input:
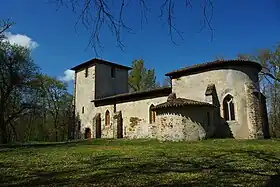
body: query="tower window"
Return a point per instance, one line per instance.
(228, 106)
(113, 72)
(86, 72)
(83, 110)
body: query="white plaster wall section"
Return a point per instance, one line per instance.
(84, 94)
(193, 87)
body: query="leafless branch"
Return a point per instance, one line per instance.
(4, 26)
(271, 76)
(94, 15)
(168, 7)
(188, 3)
(266, 72)
(208, 4)
(144, 9)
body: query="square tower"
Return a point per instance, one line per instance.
(95, 79)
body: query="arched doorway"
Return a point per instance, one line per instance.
(87, 133)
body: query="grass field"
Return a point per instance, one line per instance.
(143, 163)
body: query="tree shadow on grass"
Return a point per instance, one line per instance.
(164, 170)
(43, 144)
(72, 143)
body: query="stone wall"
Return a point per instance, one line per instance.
(136, 117)
(107, 131)
(175, 124)
(227, 81)
(185, 123)
(253, 111)
(188, 123)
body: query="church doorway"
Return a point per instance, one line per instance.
(87, 133)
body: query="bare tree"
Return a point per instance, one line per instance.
(4, 25)
(97, 14)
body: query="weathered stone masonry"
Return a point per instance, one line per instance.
(214, 99)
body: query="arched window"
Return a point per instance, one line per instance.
(228, 106)
(107, 118)
(152, 114)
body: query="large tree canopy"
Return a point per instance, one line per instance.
(17, 76)
(32, 106)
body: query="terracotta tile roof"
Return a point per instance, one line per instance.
(214, 64)
(165, 91)
(180, 102)
(99, 61)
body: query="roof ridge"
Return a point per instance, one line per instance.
(212, 64)
(101, 61)
(180, 102)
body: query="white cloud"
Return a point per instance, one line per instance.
(68, 75)
(21, 40)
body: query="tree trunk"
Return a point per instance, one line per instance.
(3, 128)
(3, 133)
(55, 127)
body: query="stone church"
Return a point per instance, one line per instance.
(209, 100)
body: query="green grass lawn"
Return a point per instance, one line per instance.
(143, 163)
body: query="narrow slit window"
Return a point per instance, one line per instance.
(113, 72)
(86, 72)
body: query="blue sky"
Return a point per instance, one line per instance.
(239, 27)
